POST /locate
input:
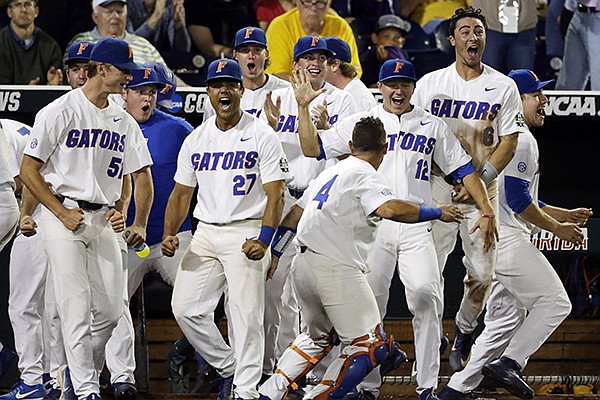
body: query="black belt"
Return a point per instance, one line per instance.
(295, 193)
(586, 9)
(84, 205)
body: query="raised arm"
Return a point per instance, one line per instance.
(309, 138)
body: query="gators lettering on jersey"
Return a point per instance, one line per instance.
(414, 142)
(102, 145)
(477, 111)
(303, 169)
(238, 161)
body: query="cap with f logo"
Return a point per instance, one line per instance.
(250, 35)
(79, 51)
(146, 76)
(393, 69)
(116, 52)
(311, 43)
(224, 69)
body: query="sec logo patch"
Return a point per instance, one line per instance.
(33, 143)
(522, 167)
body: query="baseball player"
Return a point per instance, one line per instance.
(336, 219)
(9, 217)
(80, 146)
(240, 168)
(342, 74)
(78, 56)
(251, 52)
(528, 301)
(416, 140)
(32, 308)
(482, 107)
(332, 104)
(164, 136)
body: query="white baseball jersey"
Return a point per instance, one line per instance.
(362, 96)
(339, 205)
(525, 166)
(304, 169)
(477, 111)
(238, 161)
(253, 100)
(415, 140)
(86, 150)
(12, 144)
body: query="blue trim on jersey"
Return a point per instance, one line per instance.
(463, 171)
(164, 135)
(541, 204)
(321, 149)
(517, 193)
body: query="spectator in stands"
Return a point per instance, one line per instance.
(212, 24)
(267, 10)
(110, 17)
(388, 40)
(429, 14)
(342, 74)
(162, 22)
(582, 53)
(310, 18)
(28, 55)
(510, 34)
(78, 57)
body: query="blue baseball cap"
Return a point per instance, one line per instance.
(340, 48)
(250, 35)
(527, 81)
(392, 69)
(79, 51)
(146, 76)
(116, 52)
(168, 79)
(224, 68)
(311, 43)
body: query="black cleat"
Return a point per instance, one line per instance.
(461, 350)
(448, 393)
(125, 391)
(506, 372)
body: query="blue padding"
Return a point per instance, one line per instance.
(517, 193)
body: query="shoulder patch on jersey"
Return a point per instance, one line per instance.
(283, 165)
(522, 167)
(33, 143)
(520, 120)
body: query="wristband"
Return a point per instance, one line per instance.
(282, 240)
(266, 234)
(488, 215)
(429, 213)
(488, 173)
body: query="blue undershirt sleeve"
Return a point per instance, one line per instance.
(517, 193)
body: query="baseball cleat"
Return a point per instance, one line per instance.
(52, 387)
(428, 394)
(23, 391)
(225, 387)
(93, 396)
(125, 391)
(448, 393)
(396, 358)
(444, 343)
(66, 386)
(8, 360)
(461, 350)
(506, 372)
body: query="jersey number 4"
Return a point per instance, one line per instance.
(323, 194)
(239, 184)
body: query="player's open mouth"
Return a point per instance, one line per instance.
(473, 51)
(251, 68)
(541, 112)
(398, 101)
(314, 71)
(225, 102)
(145, 108)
